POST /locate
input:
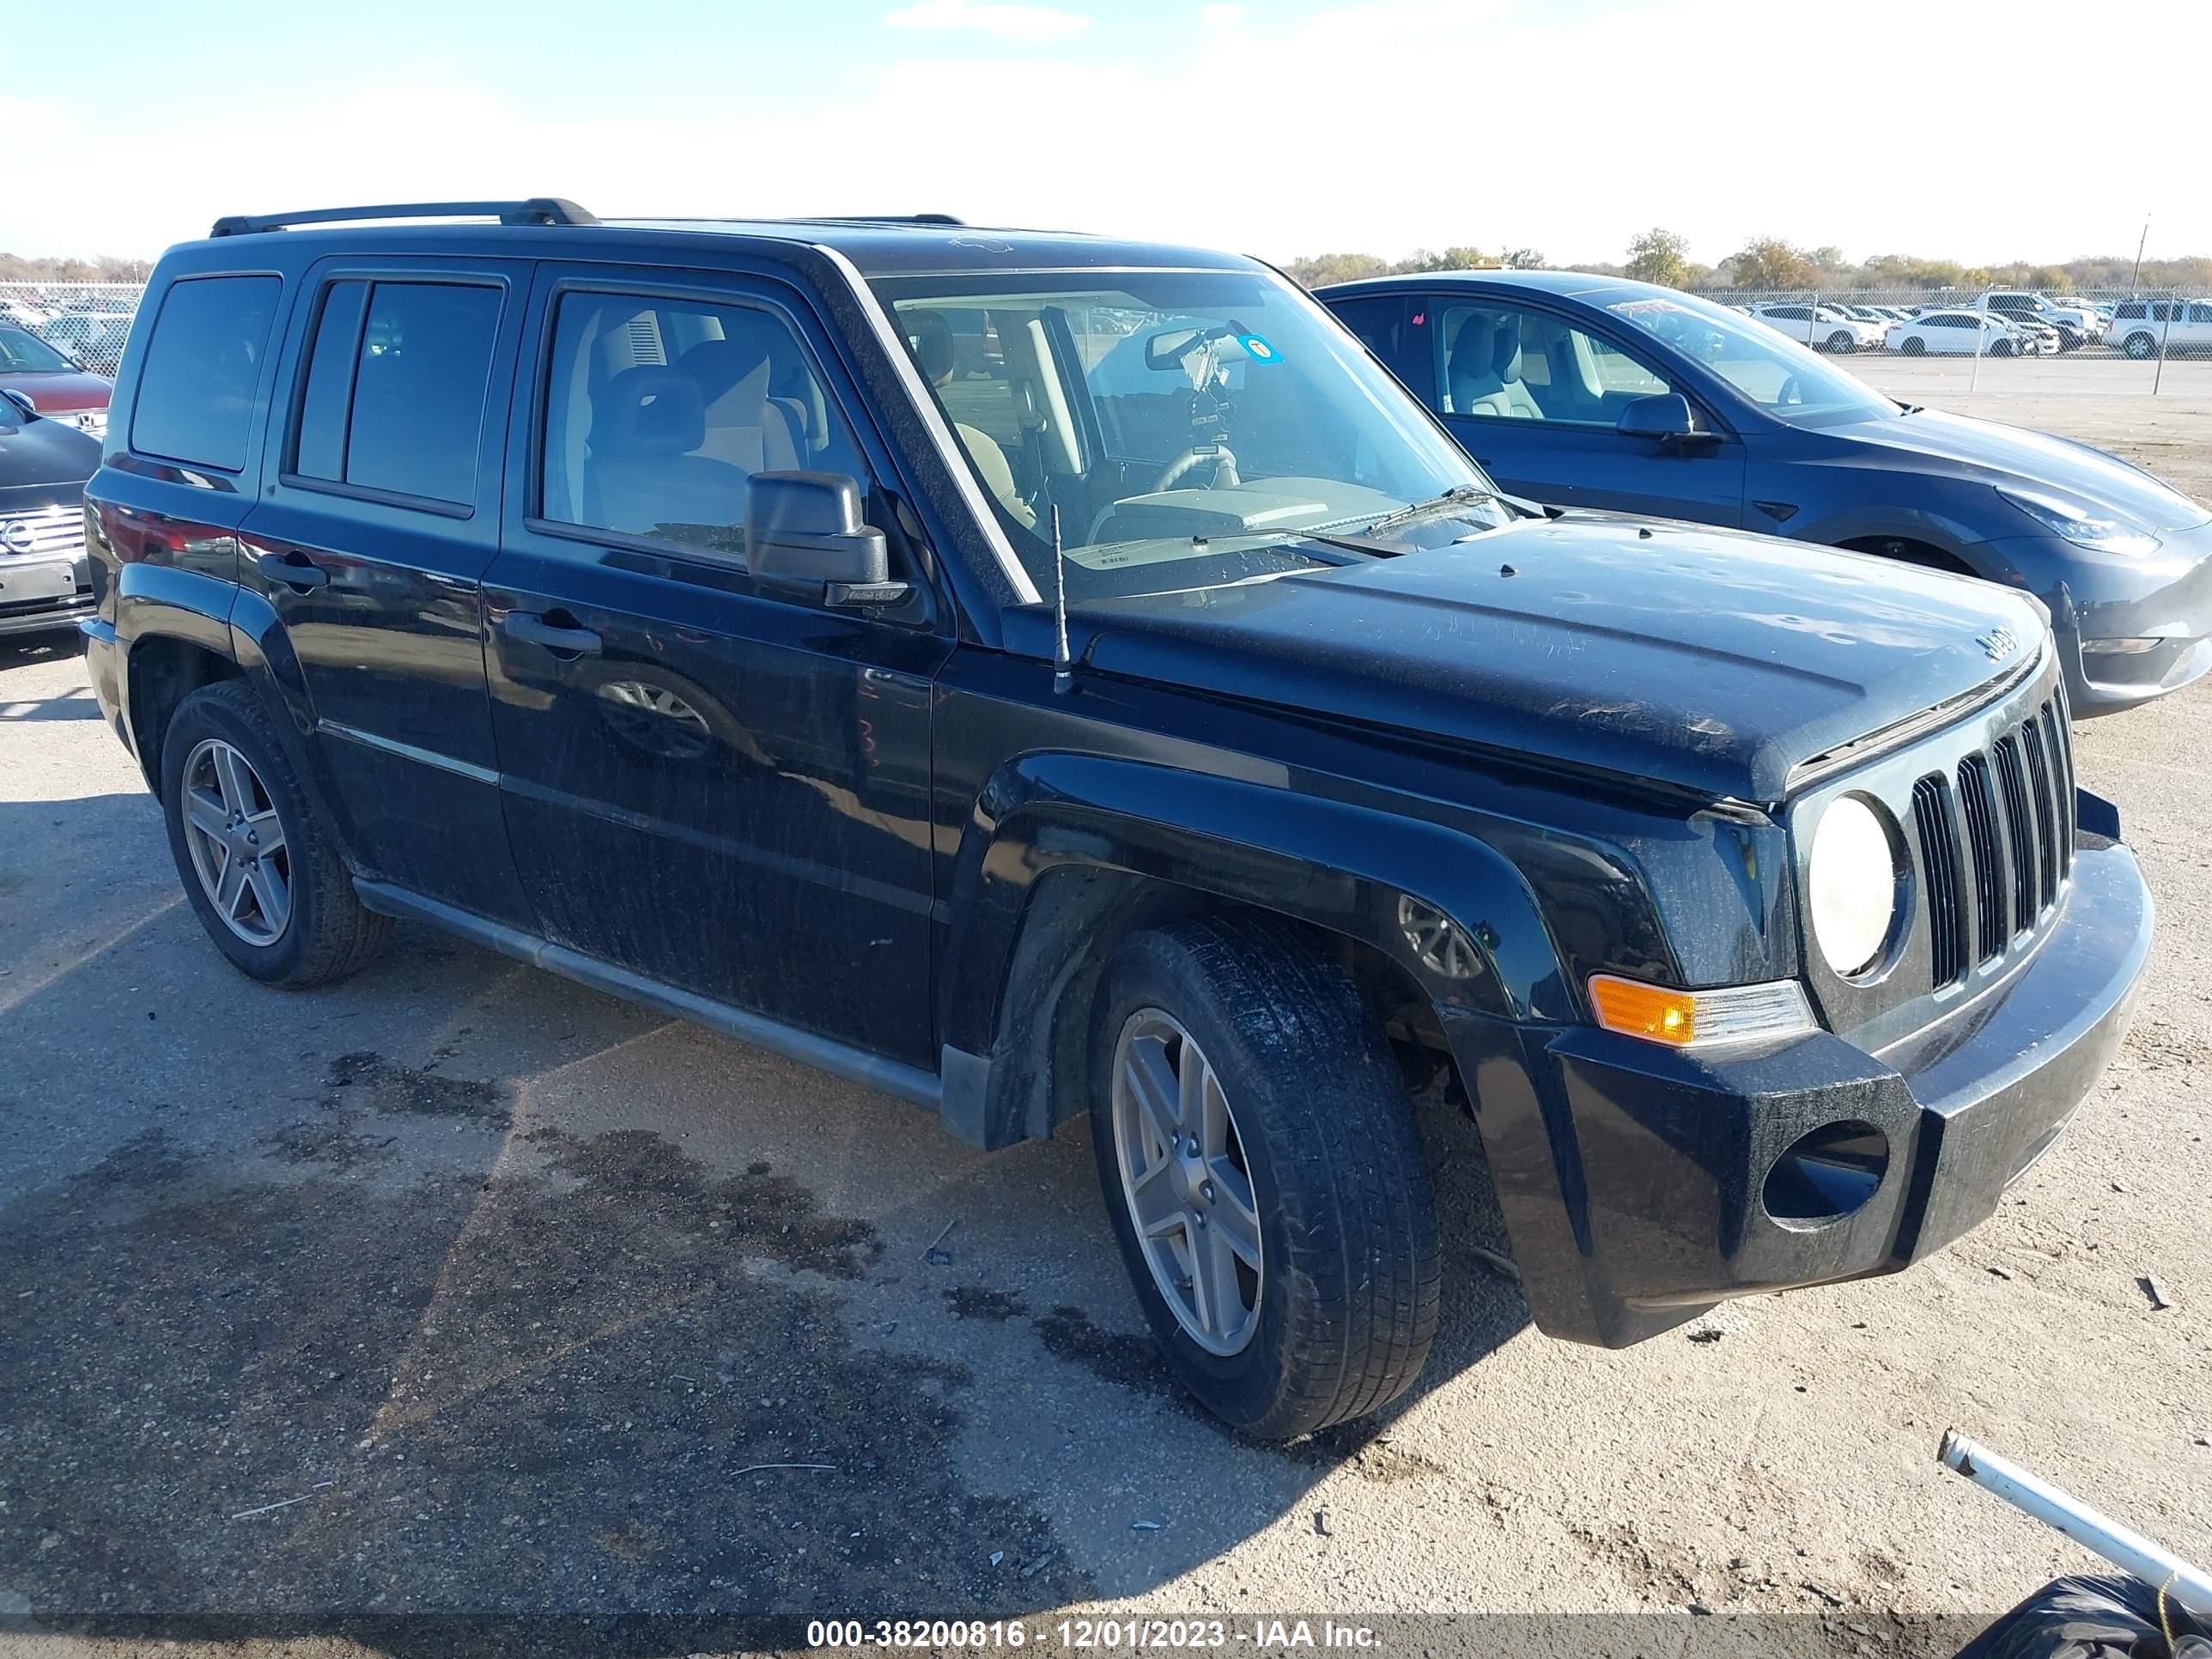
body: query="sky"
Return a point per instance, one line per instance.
(1877, 126)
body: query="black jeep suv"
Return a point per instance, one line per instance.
(1170, 723)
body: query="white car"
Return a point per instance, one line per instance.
(1825, 328)
(2183, 327)
(2076, 320)
(1956, 333)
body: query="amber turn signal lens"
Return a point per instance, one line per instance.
(1701, 1019)
(1644, 1010)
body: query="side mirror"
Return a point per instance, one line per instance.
(1665, 417)
(805, 537)
(18, 404)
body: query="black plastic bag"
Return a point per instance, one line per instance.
(2101, 1616)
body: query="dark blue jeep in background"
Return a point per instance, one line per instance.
(1595, 392)
(1168, 722)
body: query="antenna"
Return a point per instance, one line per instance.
(1063, 671)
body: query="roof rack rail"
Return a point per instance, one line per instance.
(886, 219)
(538, 210)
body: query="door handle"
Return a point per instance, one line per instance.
(529, 626)
(296, 570)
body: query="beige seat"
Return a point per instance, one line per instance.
(1484, 375)
(931, 338)
(648, 475)
(745, 427)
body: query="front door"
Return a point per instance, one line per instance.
(720, 789)
(369, 542)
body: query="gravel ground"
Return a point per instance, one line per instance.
(457, 1288)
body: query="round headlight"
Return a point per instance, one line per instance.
(1853, 885)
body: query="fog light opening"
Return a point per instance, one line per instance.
(1827, 1174)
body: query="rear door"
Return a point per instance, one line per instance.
(381, 517)
(1536, 399)
(720, 788)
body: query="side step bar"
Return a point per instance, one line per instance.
(890, 1077)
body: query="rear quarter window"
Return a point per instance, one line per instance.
(196, 388)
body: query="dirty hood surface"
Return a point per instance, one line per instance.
(1709, 660)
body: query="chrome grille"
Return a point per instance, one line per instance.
(42, 531)
(2012, 806)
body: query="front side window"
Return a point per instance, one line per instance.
(1504, 360)
(394, 399)
(194, 400)
(659, 411)
(1187, 425)
(1770, 370)
(22, 352)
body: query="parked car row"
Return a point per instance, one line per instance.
(1998, 323)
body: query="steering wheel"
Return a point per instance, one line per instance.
(1225, 470)
(1790, 392)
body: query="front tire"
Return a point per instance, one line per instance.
(258, 865)
(1260, 1162)
(1913, 346)
(2141, 347)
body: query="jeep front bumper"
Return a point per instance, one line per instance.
(1639, 1183)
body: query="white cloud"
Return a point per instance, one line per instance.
(1007, 22)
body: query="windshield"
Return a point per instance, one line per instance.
(1770, 369)
(23, 352)
(1187, 425)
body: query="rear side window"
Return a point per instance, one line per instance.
(394, 399)
(196, 388)
(1396, 330)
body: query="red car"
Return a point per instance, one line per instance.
(57, 383)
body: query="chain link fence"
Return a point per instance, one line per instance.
(86, 322)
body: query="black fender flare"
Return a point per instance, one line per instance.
(161, 601)
(262, 646)
(1344, 868)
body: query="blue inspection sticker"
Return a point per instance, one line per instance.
(1257, 348)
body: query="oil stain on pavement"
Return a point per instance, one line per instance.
(591, 1377)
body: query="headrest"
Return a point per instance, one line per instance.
(1475, 345)
(737, 369)
(648, 410)
(931, 339)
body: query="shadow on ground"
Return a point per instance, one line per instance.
(329, 1342)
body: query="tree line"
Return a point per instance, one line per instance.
(1657, 255)
(105, 268)
(1770, 262)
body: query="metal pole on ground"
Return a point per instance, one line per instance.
(2126, 1549)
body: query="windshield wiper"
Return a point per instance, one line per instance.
(1457, 496)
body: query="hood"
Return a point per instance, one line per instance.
(43, 453)
(59, 392)
(2033, 463)
(1709, 660)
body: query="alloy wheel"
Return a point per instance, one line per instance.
(237, 842)
(1187, 1181)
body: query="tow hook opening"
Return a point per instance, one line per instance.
(1827, 1174)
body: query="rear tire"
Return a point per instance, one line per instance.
(1239, 1029)
(293, 920)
